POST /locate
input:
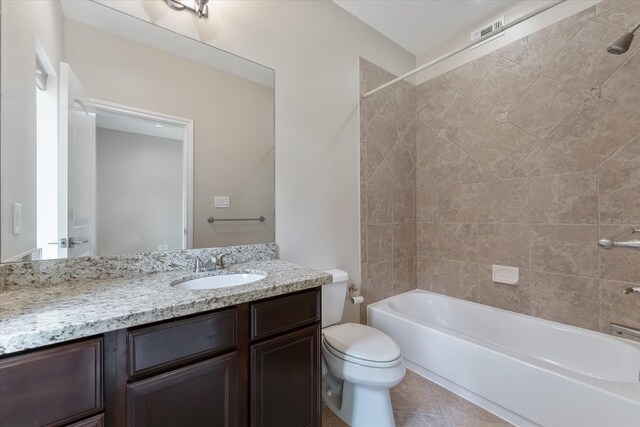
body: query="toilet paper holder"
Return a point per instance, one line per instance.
(353, 294)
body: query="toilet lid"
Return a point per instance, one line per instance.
(362, 342)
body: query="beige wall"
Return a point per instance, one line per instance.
(22, 23)
(387, 186)
(139, 192)
(518, 166)
(314, 48)
(233, 125)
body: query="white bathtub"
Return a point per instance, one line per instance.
(526, 370)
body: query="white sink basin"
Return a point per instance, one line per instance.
(220, 281)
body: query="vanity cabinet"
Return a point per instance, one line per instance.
(285, 365)
(53, 387)
(254, 364)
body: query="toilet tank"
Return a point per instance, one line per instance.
(333, 295)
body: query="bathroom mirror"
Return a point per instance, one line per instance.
(119, 136)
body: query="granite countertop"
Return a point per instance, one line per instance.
(39, 315)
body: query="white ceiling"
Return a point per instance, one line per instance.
(421, 25)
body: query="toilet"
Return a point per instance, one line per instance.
(359, 363)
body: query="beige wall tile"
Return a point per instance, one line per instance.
(457, 279)
(458, 241)
(454, 166)
(595, 131)
(379, 282)
(426, 272)
(402, 166)
(625, 158)
(504, 84)
(427, 239)
(507, 297)
(465, 79)
(379, 204)
(617, 307)
(363, 243)
(619, 264)
(503, 201)
(547, 43)
(404, 207)
(546, 160)
(456, 116)
(502, 149)
(404, 240)
(619, 196)
(621, 12)
(372, 76)
(504, 244)
(403, 105)
(427, 204)
(564, 199)
(565, 249)
(404, 275)
(566, 299)
(543, 107)
(458, 203)
(374, 161)
(382, 130)
(584, 64)
(379, 243)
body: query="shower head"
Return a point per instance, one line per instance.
(623, 42)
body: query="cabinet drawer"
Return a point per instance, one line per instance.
(52, 387)
(171, 343)
(283, 313)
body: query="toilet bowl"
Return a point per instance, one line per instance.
(359, 364)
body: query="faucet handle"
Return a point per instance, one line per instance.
(199, 265)
(219, 260)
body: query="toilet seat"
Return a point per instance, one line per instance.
(362, 345)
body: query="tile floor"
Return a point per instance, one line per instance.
(418, 402)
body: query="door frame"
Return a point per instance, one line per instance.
(187, 156)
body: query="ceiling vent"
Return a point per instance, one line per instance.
(486, 29)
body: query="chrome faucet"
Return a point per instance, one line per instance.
(215, 262)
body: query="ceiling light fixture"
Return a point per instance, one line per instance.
(199, 7)
(158, 125)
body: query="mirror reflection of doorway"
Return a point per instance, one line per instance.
(142, 201)
(121, 180)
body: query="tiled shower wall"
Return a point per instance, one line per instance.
(525, 157)
(387, 186)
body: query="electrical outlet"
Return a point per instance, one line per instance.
(221, 201)
(165, 247)
(17, 218)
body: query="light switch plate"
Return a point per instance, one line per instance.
(221, 201)
(17, 218)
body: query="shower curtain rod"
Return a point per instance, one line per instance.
(466, 46)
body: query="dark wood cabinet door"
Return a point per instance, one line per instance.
(51, 387)
(284, 380)
(201, 395)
